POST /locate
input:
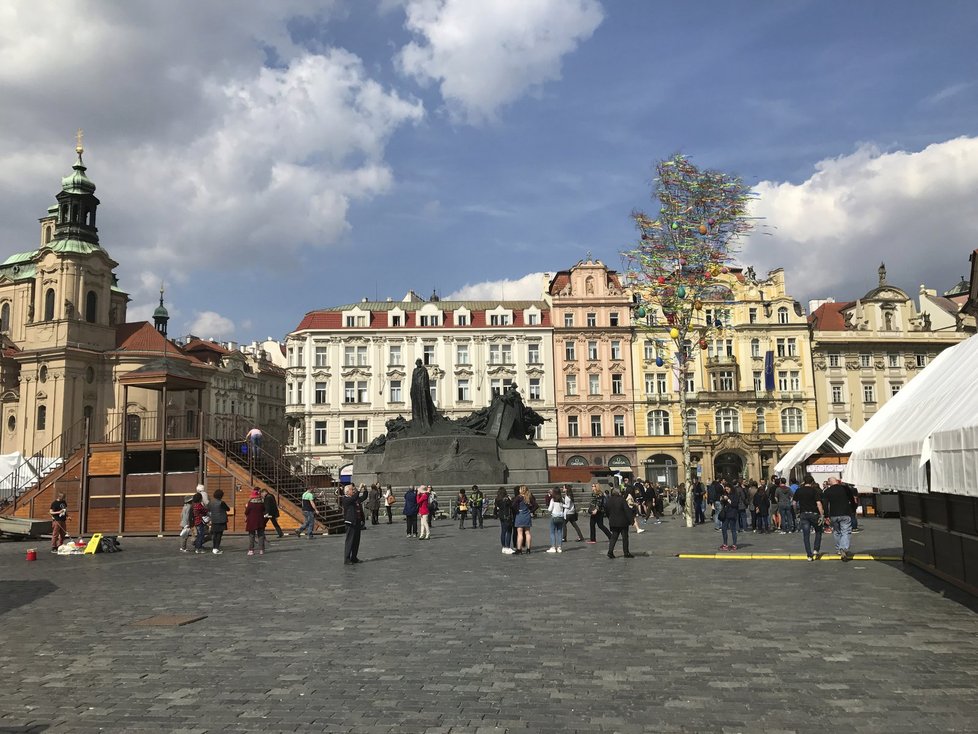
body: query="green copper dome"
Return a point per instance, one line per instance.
(161, 312)
(78, 182)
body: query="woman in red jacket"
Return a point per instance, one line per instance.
(255, 523)
(424, 511)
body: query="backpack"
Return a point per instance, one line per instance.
(504, 512)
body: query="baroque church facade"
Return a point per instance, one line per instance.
(66, 343)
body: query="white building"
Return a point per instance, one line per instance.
(349, 368)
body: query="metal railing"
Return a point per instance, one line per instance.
(32, 469)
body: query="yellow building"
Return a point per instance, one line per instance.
(866, 350)
(750, 390)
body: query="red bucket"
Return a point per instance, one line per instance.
(32, 554)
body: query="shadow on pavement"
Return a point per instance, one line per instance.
(31, 729)
(948, 591)
(14, 594)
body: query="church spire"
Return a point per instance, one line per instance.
(75, 229)
(161, 316)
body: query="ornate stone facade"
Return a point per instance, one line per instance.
(349, 368)
(751, 395)
(593, 368)
(865, 351)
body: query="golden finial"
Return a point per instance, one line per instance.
(79, 149)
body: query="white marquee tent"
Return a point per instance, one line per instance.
(933, 419)
(829, 438)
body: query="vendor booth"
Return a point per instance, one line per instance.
(819, 453)
(923, 443)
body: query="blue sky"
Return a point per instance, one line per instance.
(267, 159)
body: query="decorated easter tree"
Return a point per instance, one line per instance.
(677, 266)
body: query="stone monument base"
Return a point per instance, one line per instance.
(456, 460)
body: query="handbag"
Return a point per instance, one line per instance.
(389, 500)
(462, 507)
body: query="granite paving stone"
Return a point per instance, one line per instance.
(452, 636)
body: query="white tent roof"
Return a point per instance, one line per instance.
(934, 418)
(827, 438)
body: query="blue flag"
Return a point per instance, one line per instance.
(769, 371)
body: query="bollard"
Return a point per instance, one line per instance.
(32, 554)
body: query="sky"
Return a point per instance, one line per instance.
(266, 159)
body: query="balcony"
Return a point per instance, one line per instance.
(721, 360)
(655, 399)
(732, 395)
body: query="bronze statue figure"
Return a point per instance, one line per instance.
(422, 407)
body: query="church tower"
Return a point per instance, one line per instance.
(161, 316)
(62, 307)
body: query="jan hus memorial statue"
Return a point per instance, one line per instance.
(493, 445)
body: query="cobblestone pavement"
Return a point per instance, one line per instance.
(450, 635)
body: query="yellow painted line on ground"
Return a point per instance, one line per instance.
(782, 557)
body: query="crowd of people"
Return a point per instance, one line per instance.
(778, 506)
(737, 506)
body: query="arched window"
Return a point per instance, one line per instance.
(42, 417)
(727, 420)
(49, 305)
(783, 315)
(5, 317)
(658, 423)
(761, 421)
(47, 234)
(91, 307)
(791, 421)
(755, 347)
(691, 422)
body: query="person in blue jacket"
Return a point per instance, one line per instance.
(411, 511)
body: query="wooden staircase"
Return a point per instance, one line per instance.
(265, 470)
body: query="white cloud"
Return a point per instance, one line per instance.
(211, 325)
(914, 210)
(528, 288)
(483, 55)
(203, 154)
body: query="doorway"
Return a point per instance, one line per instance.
(728, 466)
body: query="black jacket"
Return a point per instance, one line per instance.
(619, 516)
(351, 507)
(271, 506)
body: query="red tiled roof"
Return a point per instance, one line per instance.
(331, 320)
(142, 336)
(321, 320)
(828, 317)
(559, 282)
(202, 345)
(948, 305)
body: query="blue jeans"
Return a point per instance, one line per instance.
(505, 534)
(310, 524)
(841, 531)
(762, 522)
(787, 518)
(476, 516)
(811, 521)
(742, 519)
(716, 516)
(199, 540)
(556, 531)
(699, 516)
(730, 524)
